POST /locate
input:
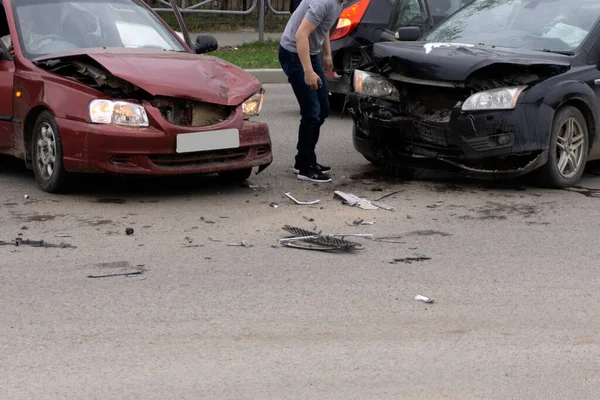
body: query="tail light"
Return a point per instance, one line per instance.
(349, 19)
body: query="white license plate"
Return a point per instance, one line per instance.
(210, 140)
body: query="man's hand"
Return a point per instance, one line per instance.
(327, 64)
(312, 79)
(11, 50)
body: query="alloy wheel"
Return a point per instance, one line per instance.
(570, 148)
(46, 151)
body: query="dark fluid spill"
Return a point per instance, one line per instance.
(587, 192)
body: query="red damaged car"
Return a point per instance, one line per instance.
(106, 86)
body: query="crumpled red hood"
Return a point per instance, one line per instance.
(174, 74)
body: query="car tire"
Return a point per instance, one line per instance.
(46, 148)
(568, 150)
(238, 175)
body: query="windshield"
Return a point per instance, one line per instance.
(549, 25)
(52, 26)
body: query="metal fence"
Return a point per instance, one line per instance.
(199, 13)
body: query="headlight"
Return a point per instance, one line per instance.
(253, 106)
(118, 113)
(497, 99)
(374, 85)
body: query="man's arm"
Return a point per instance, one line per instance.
(327, 58)
(302, 45)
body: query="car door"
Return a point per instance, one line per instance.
(7, 76)
(407, 13)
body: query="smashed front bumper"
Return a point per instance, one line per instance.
(483, 144)
(152, 151)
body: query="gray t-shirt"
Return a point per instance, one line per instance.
(322, 13)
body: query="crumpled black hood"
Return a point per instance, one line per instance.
(456, 62)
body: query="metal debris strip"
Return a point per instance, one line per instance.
(274, 205)
(423, 299)
(388, 195)
(309, 240)
(37, 243)
(302, 203)
(126, 274)
(409, 260)
(390, 239)
(365, 204)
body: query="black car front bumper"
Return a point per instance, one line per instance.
(490, 143)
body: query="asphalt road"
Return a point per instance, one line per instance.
(513, 272)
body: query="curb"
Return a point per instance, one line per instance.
(268, 75)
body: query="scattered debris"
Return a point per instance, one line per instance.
(129, 231)
(368, 182)
(309, 240)
(118, 268)
(36, 243)
(206, 221)
(390, 239)
(429, 232)
(363, 203)
(376, 189)
(24, 228)
(254, 187)
(274, 205)
(188, 239)
(188, 246)
(423, 299)
(409, 260)
(359, 221)
(388, 195)
(309, 219)
(215, 240)
(302, 203)
(243, 243)
(360, 235)
(127, 274)
(26, 196)
(62, 235)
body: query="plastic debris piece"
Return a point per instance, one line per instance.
(423, 299)
(26, 196)
(62, 235)
(243, 243)
(309, 240)
(309, 219)
(126, 274)
(365, 204)
(274, 205)
(37, 243)
(129, 231)
(302, 203)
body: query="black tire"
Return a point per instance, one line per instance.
(550, 174)
(54, 181)
(238, 175)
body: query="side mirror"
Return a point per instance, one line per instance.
(409, 33)
(205, 44)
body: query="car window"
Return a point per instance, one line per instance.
(52, 26)
(441, 9)
(558, 25)
(407, 13)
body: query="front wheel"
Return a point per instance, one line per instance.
(568, 152)
(238, 175)
(48, 166)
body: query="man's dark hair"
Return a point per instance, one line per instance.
(294, 4)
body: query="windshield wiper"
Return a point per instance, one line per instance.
(564, 53)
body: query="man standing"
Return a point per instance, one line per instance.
(306, 34)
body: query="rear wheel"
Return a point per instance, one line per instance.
(48, 166)
(238, 175)
(568, 152)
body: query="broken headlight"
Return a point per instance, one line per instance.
(374, 85)
(497, 99)
(253, 106)
(118, 113)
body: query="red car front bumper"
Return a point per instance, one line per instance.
(152, 151)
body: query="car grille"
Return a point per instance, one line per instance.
(192, 113)
(204, 158)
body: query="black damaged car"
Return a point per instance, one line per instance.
(500, 89)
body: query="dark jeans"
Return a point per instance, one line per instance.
(314, 105)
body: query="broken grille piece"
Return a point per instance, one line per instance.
(317, 241)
